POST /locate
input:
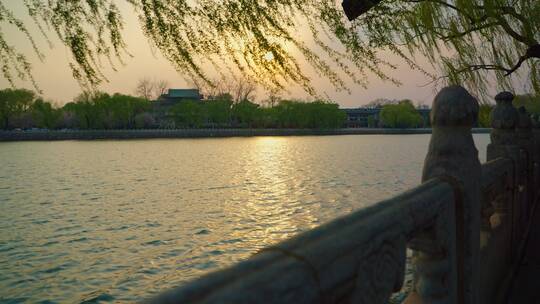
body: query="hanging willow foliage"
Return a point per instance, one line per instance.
(471, 41)
(465, 38)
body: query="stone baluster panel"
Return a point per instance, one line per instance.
(504, 143)
(446, 270)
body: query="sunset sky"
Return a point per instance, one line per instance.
(54, 76)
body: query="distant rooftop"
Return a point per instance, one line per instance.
(362, 110)
(373, 110)
(184, 93)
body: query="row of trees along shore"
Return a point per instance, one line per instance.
(403, 114)
(23, 109)
(477, 44)
(284, 114)
(400, 115)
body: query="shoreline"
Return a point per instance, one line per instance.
(6, 136)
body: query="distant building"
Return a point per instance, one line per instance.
(369, 117)
(362, 117)
(163, 105)
(174, 96)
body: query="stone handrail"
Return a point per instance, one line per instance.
(496, 243)
(464, 224)
(358, 258)
(494, 173)
(496, 187)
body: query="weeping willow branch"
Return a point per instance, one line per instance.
(199, 36)
(467, 41)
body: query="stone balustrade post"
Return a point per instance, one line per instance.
(509, 135)
(446, 270)
(503, 120)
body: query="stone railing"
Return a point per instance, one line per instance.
(464, 224)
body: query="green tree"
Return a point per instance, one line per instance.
(144, 121)
(77, 113)
(218, 111)
(466, 39)
(530, 102)
(89, 110)
(322, 114)
(268, 117)
(122, 109)
(401, 115)
(14, 102)
(22, 120)
(300, 114)
(44, 114)
(188, 114)
(245, 113)
(484, 114)
(288, 114)
(103, 111)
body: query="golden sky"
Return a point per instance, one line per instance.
(54, 76)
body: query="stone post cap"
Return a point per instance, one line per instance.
(504, 115)
(504, 97)
(454, 107)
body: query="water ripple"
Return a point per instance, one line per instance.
(117, 221)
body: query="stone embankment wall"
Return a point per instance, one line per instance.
(196, 133)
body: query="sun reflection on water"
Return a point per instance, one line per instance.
(271, 173)
(116, 221)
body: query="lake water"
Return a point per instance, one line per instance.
(117, 221)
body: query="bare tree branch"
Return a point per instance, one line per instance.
(160, 87)
(145, 88)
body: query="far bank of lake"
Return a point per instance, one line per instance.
(201, 133)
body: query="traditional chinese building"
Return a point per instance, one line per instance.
(163, 105)
(369, 117)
